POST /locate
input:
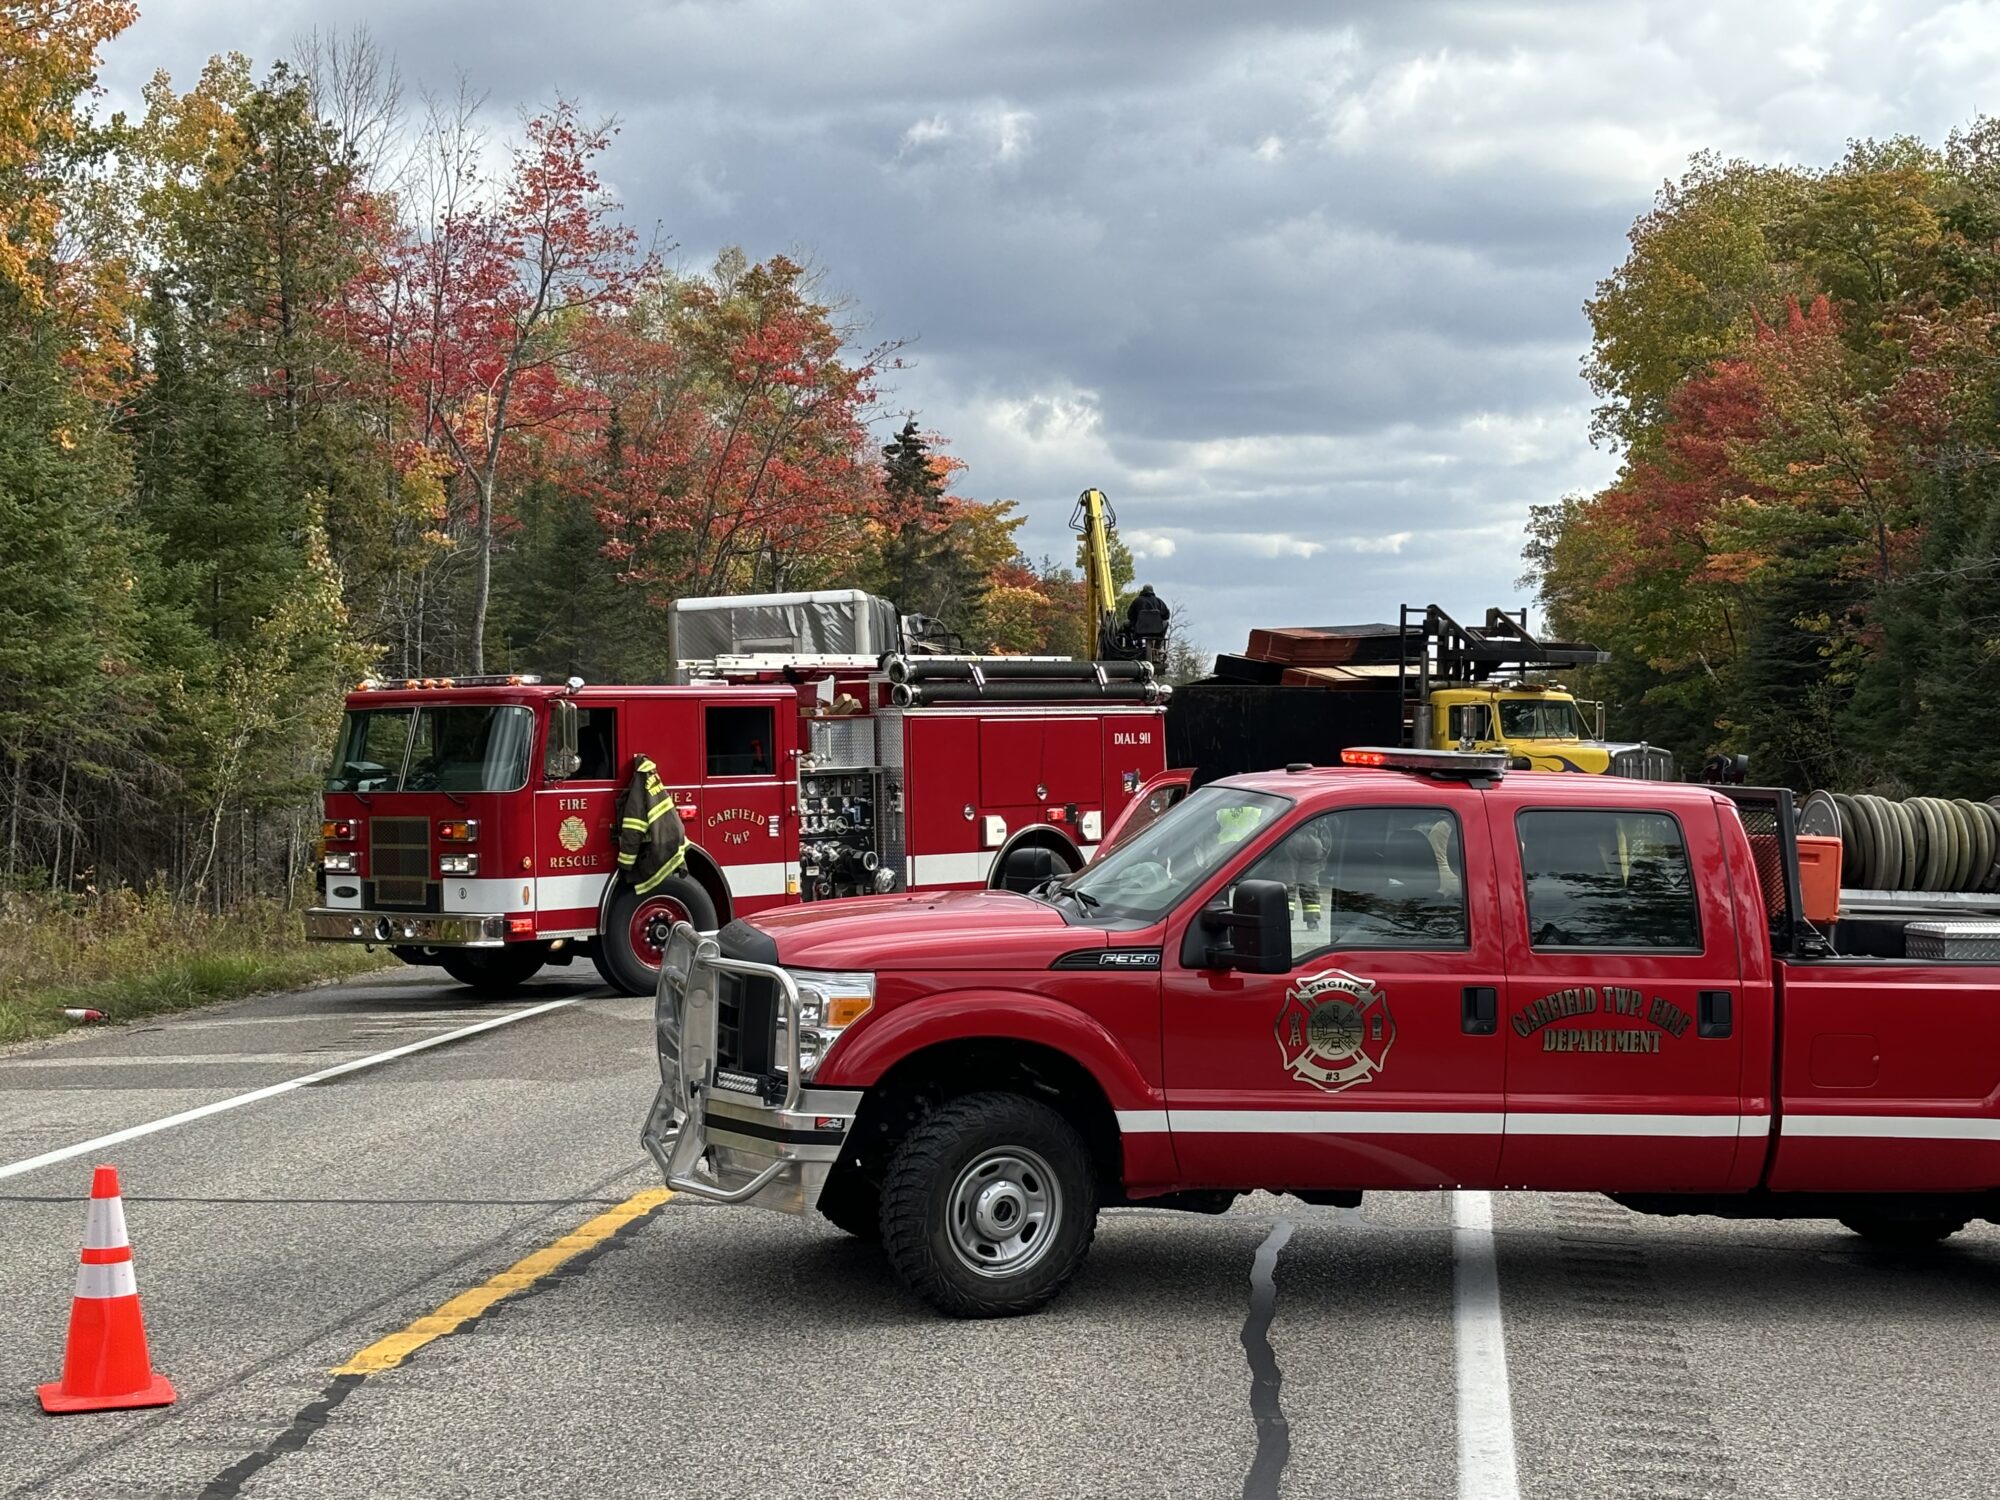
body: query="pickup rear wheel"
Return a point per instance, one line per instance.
(989, 1206)
(627, 952)
(1904, 1233)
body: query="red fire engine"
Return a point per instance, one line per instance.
(470, 823)
(1414, 971)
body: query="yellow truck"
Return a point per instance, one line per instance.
(1426, 681)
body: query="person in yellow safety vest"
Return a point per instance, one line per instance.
(652, 845)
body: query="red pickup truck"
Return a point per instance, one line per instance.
(1413, 971)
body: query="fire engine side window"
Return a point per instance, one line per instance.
(1607, 878)
(1372, 877)
(740, 741)
(596, 745)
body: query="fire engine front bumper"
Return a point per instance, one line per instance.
(724, 1135)
(430, 930)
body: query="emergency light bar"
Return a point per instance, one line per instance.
(1445, 765)
(490, 679)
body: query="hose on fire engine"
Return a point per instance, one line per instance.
(929, 694)
(905, 669)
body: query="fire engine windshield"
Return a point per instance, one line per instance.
(1149, 874)
(1539, 719)
(461, 747)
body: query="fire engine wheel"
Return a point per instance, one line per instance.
(628, 951)
(989, 1206)
(1903, 1233)
(494, 971)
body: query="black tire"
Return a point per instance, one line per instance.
(1903, 1233)
(939, 1160)
(852, 1204)
(622, 965)
(494, 971)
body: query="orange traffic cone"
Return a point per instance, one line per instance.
(106, 1367)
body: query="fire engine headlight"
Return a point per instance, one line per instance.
(829, 1003)
(458, 864)
(337, 864)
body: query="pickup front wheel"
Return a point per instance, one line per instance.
(1904, 1233)
(989, 1206)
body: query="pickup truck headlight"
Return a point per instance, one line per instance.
(829, 1003)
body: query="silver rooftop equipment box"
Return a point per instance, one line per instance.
(827, 622)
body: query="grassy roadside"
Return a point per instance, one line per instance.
(132, 955)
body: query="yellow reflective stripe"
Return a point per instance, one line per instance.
(637, 825)
(671, 867)
(655, 814)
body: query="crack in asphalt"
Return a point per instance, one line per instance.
(1274, 1434)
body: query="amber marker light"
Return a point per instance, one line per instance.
(845, 1010)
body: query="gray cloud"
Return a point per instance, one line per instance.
(1299, 287)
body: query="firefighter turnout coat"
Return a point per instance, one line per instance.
(652, 845)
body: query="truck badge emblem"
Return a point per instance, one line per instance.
(1335, 1030)
(572, 834)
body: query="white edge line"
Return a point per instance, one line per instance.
(270, 1091)
(1485, 1405)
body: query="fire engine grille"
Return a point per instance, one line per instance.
(399, 860)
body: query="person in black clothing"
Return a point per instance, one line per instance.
(1146, 616)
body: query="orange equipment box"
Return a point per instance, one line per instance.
(1819, 877)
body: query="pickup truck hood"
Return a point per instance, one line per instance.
(948, 930)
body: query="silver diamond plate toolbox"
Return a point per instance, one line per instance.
(1965, 942)
(842, 743)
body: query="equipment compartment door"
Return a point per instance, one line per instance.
(1374, 1062)
(1624, 1024)
(744, 814)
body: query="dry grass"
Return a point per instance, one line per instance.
(132, 954)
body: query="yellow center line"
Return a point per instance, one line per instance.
(387, 1353)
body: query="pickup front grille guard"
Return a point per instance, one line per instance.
(687, 983)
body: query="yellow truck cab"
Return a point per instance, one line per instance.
(1540, 726)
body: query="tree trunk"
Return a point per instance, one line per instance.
(483, 584)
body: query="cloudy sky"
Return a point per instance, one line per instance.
(1298, 285)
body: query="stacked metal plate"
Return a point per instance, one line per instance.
(1964, 942)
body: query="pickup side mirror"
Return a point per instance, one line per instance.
(560, 761)
(1259, 928)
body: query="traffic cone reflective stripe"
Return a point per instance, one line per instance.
(106, 1366)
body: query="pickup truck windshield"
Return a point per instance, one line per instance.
(1149, 874)
(1544, 719)
(455, 748)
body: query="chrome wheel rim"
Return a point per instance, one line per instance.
(1004, 1209)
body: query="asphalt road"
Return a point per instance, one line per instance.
(685, 1350)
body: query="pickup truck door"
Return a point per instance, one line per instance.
(1375, 1062)
(1623, 1020)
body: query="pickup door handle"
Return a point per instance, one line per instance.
(1715, 1014)
(1479, 1010)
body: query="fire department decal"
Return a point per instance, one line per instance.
(573, 834)
(1335, 1030)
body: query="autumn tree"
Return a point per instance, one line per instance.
(500, 296)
